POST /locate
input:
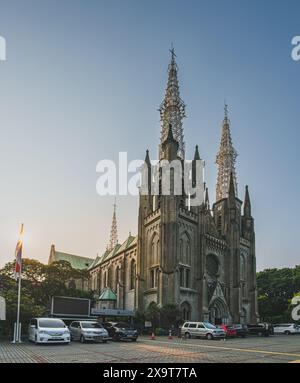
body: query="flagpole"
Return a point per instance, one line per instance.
(18, 271)
(18, 337)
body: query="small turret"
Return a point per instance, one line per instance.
(247, 204)
(206, 200)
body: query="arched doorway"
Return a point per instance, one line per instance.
(218, 312)
(186, 311)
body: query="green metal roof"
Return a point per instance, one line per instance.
(107, 295)
(118, 249)
(77, 262)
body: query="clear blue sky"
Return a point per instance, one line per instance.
(83, 80)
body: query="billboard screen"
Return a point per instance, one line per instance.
(70, 306)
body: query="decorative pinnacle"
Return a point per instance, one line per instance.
(114, 232)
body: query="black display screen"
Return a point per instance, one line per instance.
(70, 306)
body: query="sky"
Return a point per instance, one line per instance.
(83, 80)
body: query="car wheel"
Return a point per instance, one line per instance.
(260, 334)
(244, 336)
(133, 340)
(209, 336)
(287, 332)
(82, 340)
(104, 341)
(187, 335)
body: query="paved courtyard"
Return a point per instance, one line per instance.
(280, 349)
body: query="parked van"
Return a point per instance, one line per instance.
(286, 328)
(202, 330)
(48, 330)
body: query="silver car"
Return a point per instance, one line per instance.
(88, 331)
(202, 330)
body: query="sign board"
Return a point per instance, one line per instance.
(111, 312)
(148, 324)
(2, 309)
(70, 306)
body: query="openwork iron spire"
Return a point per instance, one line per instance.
(172, 109)
(225, 161)
(114, 232)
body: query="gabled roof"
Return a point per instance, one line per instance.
(126, 244)
(118, 249)
(77, 262)
(107, 295)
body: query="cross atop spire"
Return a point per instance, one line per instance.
(113, 232)
(172, 50)
(225, 160)
(225, 110)
(172, 109)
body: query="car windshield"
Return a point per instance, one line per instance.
(50, 323)
(91, 325)
(209, 325)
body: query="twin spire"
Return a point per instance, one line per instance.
(172, 109)
(225, 161)
(172, 112)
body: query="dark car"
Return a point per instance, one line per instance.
(241, 330)
(121, 331)
(260, 329)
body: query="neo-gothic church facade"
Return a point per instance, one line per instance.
(200, 258)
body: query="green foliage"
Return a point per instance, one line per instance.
(152, 314)
(170, 315)
(276, 287)
(39, 283)
(162, 317)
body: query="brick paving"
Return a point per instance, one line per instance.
(280, 349)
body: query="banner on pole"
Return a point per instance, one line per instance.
(18, 254)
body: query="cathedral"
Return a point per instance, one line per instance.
(200, 258)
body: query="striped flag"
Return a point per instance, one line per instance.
(18, 254)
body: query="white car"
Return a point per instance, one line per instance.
(48, 330)
(286, 328)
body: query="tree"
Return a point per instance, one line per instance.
(39, 283)
(276, 287)
(170, 315)
(152, 314)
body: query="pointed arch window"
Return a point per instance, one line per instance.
(185, 249)
(181, 277)
(242, 267)
(154, 250)
(104, 279)
(117, 279)
(132, 274)
(187, 278)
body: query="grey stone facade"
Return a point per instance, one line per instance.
(201, 259)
